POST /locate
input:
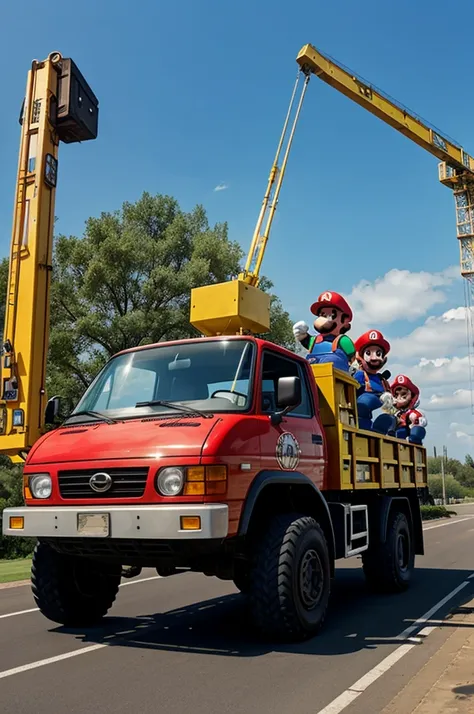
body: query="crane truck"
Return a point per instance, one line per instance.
(225, 455)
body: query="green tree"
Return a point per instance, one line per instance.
(127, 282)
(453, 488)
(11, 495)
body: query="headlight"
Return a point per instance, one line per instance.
(41, 485)
(170, 481)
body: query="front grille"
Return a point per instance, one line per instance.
(126, 483)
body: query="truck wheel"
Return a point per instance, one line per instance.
(388, 567)
(70, 590)
(290, 580)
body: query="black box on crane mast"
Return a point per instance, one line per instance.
(78, 107)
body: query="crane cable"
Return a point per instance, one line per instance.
(259, 241)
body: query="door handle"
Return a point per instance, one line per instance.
(317, 439)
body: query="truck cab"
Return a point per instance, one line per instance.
(228, 456)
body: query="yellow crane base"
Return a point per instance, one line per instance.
(230, 308)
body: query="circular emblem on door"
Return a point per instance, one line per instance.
(288, 451)
(100, 482)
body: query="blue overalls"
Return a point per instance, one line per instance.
(368, 400)
(322, 351)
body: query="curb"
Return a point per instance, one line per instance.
(445, 683)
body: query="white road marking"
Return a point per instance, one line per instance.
(20, 612)
(337, 705)
(122, 585)
(142, 580)
(346, 698)
(157, 577)
(448, 523)
(50, 660)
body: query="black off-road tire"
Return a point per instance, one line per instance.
(388, 566)
(70, 590)
(290, 579)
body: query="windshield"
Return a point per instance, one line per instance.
(210, 376)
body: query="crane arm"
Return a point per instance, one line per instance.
(386, 109)
(59, 106)
(239, 304)
(251, 273)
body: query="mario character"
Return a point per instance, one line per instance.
(411, 422)
(374, 391)
(333, 320)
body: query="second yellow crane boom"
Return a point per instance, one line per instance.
(457, 167)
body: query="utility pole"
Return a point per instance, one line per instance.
(443, 480)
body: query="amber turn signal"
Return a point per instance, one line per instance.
(195, 488)
(26, 488)
(17, 523)
(215, 487)
(195, 473)
(203, 480)
(190, 523)
(216, 473)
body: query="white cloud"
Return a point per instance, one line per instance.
(221, 187)
(400, 295)
(462, 432)
(437, 371)
(460, 399)
(443, 335)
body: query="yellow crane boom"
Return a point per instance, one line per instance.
(456, 169)
(390, 111)
(239, 305)
(59, 106)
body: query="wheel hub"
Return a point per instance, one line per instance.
(402, 552)
(311, 579)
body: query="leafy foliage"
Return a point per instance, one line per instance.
(428, 513)
(11, 495)
(127, 282)
(462, 473)
(453, 488)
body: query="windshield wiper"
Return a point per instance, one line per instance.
(91, 413)
(172, 405)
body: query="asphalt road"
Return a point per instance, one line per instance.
(183, 644)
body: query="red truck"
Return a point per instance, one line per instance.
(228, 456)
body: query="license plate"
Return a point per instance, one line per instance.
(93, 524)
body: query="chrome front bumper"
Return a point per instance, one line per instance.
(163, 522)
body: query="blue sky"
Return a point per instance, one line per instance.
(194, 93)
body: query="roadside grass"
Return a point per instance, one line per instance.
(11, 570)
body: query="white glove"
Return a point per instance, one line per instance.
(387, 399)
(300, 330)
(418, 421)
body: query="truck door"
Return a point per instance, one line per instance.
(297, 444)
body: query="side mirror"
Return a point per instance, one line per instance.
(52, 411)
(288, 397)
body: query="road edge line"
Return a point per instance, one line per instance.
(363, 683)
